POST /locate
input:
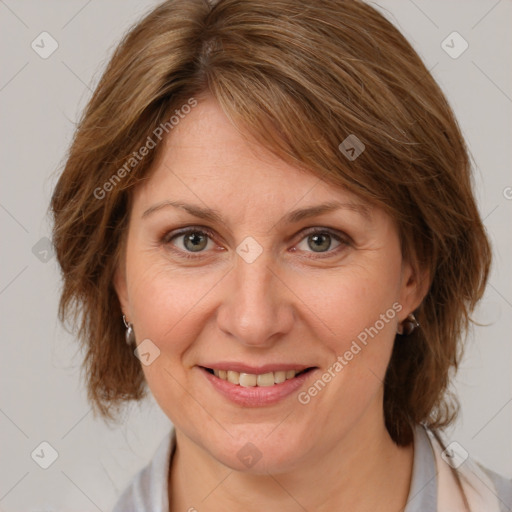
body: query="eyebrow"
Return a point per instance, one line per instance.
(312, 211)
(291, 217)
(196, 211)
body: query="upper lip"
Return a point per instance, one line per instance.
(255, 370)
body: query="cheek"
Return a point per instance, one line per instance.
(350, 299)
(165, 302)
(358, 316)
(357, 309)
(166, 309)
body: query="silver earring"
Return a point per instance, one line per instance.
(408, 326)
(129, 335)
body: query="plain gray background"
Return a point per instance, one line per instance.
(42, 397)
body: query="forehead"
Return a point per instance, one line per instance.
(207, 160)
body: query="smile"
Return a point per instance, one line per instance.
(248, 380)
(259, 388)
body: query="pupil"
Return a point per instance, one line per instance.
(320, 243)
(195, 242)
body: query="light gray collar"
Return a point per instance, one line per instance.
(423, 492)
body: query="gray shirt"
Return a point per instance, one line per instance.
(148, 491)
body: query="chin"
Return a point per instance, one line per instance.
(258, 453)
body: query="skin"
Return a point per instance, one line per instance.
(293, 304)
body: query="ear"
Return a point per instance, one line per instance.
(121, 289)
(414, 286)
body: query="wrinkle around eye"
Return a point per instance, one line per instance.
(173, 240)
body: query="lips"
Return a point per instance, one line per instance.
(260, 388)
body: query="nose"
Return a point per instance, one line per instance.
(257, 309)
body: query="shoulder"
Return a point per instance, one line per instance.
(147, 492)
(482, 488)
(502, 487)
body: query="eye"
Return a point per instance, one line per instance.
(190, 240)
(321, 241)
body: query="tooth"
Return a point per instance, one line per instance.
(266, 379)
(279, 377)
(233, 377)
(248, 380)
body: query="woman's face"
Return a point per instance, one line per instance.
(235, 263)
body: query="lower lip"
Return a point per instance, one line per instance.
(256, 396)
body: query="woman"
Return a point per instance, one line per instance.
(270, 206)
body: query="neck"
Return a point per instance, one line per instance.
(366, 470)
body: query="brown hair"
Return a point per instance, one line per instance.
(300, 77)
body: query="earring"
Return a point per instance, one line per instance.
(129, 335)
(408, 326)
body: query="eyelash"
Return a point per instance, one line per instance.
(344, 240)
(169, 237)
